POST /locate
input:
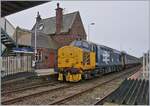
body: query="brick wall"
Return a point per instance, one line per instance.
(65, 39)
(48, 58)
(76, 32)
(78, 28)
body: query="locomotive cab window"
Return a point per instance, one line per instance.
(78, 43)
(85, 45)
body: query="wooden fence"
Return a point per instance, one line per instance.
(16, 64)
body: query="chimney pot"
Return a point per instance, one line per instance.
(57, 5)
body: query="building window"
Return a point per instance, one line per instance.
(38, 56)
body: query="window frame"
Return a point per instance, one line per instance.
(39, 56)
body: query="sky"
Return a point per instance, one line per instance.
(122, 25)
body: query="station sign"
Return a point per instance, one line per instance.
(23, 50)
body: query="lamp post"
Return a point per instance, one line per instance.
(35, 46)
(89, 30)
(35, 51)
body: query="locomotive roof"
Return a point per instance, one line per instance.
(114, 50)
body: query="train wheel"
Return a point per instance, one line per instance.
(95, 73)
(87, 76)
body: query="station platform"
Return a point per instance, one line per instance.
(136, 75)
(45, 72)
(17, 77)
(139, 75)
(27, 75)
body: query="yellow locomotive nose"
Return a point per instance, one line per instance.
(69, 56)
(72, 61)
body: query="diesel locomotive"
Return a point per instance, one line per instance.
(84, 59)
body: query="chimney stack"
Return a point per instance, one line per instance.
(38, 18)
(59, 18)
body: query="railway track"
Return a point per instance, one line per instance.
(60, 101)
(101, 101)
(28, 88)
(14, 100)
(51, 93)
(20, 84)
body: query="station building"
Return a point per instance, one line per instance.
(55, 32)
(51, 34)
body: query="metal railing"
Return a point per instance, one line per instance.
(146, 64)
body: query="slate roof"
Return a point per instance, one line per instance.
(49, 27)
(131, 92)
(50, 23)
(44, 41)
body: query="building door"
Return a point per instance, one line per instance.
(52, 58)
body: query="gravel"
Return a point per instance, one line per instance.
(31, 91)
(85, 98)
(91, 97)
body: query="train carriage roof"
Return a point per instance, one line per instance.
(108, 48)
(111, 49)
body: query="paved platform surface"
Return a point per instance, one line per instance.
(138, 75)
(45, 72)
(17, 77)
(25, 75)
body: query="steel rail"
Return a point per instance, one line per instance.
(14, 100)
(101, 101)
(28, 88)
(58, 102)
(17, 99)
